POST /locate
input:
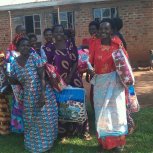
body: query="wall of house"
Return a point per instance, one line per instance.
(4, 30)
(136, 14)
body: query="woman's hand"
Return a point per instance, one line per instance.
(87, 77)
(68, 80)
(91, 72)
(41, 101)
(54, 81)
(129, 83)
(12, 80)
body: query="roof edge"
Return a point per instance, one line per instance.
(44, 4)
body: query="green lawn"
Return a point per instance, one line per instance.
(139, 142)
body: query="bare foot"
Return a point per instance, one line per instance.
(131, 130)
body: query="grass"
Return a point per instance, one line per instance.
(139, 142)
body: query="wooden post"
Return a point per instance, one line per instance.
(10, 20)
(58, 12)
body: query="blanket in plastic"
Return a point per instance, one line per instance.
(83, 58)
(123, 67)
(72, 105)
(53, 75)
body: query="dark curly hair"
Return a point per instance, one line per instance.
(58, 25)
(94, 23)
(21, 40)
(17, 29)
(110, 21)
(117, 24)
(32, 35)
(47, 29)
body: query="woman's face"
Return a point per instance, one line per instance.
(59, 33)
(24, 47)
(105, 30)
(48, 36)
(93, 30)
(33, 42)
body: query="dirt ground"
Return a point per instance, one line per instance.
(144, 88)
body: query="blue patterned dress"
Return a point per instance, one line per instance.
(16, 100)
(41, 125)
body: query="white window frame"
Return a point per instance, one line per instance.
(40, 23)
(67, 17)
(94, 12)
(34, 22)
(101, 12)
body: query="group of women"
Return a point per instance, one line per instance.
(40, 110)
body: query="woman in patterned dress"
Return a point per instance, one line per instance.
(16, 100)
(40, 108)
(109, 93)
(33, 43)
(65, 60)
(48, 47)
(35, 48)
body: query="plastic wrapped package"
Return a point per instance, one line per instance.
(72, 106)
(53, 75)
(123, 68)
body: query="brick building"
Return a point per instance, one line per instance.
(36, 16)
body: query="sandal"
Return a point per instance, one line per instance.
(87, 137)
(63, 140)
(118, 149)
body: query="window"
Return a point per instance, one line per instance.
(100, 13)
(55, 18)
(37, 24)
(29, 24)
(18, 20)
(66, 19)
(33, 24)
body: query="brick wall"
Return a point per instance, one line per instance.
(4, 30)
(138, 29)
(136, 14)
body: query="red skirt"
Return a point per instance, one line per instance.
(112, 142)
